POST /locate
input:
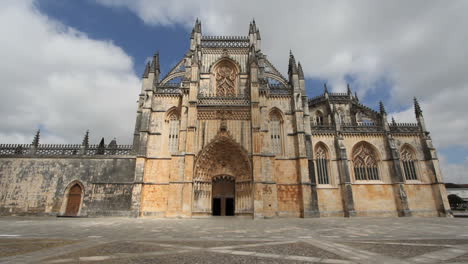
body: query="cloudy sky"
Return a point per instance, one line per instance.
(69, 66)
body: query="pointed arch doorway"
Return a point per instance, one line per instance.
(222, 179)
(74, 200)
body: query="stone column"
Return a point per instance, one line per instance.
(345, 177)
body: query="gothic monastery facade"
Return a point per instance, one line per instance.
(225, 133)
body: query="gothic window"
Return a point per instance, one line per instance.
(321, 159)
(225, 74)
(365, 163)
(275, 132)
(408, 160)
(319, 118)
(173, 133)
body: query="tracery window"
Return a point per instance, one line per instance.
(225, 74)
(365, 163)
(275, 132)
(319, 118)
(321, 159)
(173, 134)
(408, 160)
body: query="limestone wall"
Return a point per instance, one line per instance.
(37, 186)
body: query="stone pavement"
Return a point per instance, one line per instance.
(233, 240)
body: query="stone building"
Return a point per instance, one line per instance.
(225, 133)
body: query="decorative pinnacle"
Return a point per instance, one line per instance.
(197, 27)
(355, 96)
(86, 139)
(147, 70)
(292, 67)
(300, 71)
(393, 121)
(349, 89)
(101, 148)
(325, 88)
(417, 108)
(155, 63)
(382, 108)
(36, 138)
(258, 35)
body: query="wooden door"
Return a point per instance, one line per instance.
(74, 200)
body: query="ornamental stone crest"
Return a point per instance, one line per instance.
(225, 80)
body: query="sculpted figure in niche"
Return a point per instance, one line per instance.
(225, 79)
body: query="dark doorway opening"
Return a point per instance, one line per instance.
(230, 206)
(216, 206)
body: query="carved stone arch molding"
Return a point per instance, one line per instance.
(222, 156)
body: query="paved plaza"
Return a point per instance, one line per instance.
(233, 240)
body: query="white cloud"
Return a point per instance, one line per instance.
(454, 173)
(417, 46)
(57, 78)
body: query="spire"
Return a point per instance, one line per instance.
(251, 31)
(325, 88)
(299, 71)
(155, 63)
(86, 139)
(35, 142)
(382, 108)
(292, 67)
(355, 96)
(417, 108)
(147, 70)
(197, 27)
(349, 89)
(258, 35)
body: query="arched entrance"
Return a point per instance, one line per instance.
(223, 179)
(74, 200)
(224, 192)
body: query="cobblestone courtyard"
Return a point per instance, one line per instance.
(231, 240)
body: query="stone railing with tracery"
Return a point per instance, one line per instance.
(206, 100)
(225, 42)
(64, 150)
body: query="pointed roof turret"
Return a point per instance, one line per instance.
(300, 71)
(417, 108)
(292, 67)
(86, 139)
(155, 63)
(35, 142)
(382, 108)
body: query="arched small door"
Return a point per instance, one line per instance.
(74, 200)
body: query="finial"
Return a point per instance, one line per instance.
(382, 108)
(300, 71)
(393, 121)
(36, 138)
(325, 88)
(86, 139)
(417, 108)
(258, 35)
(349, 89)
